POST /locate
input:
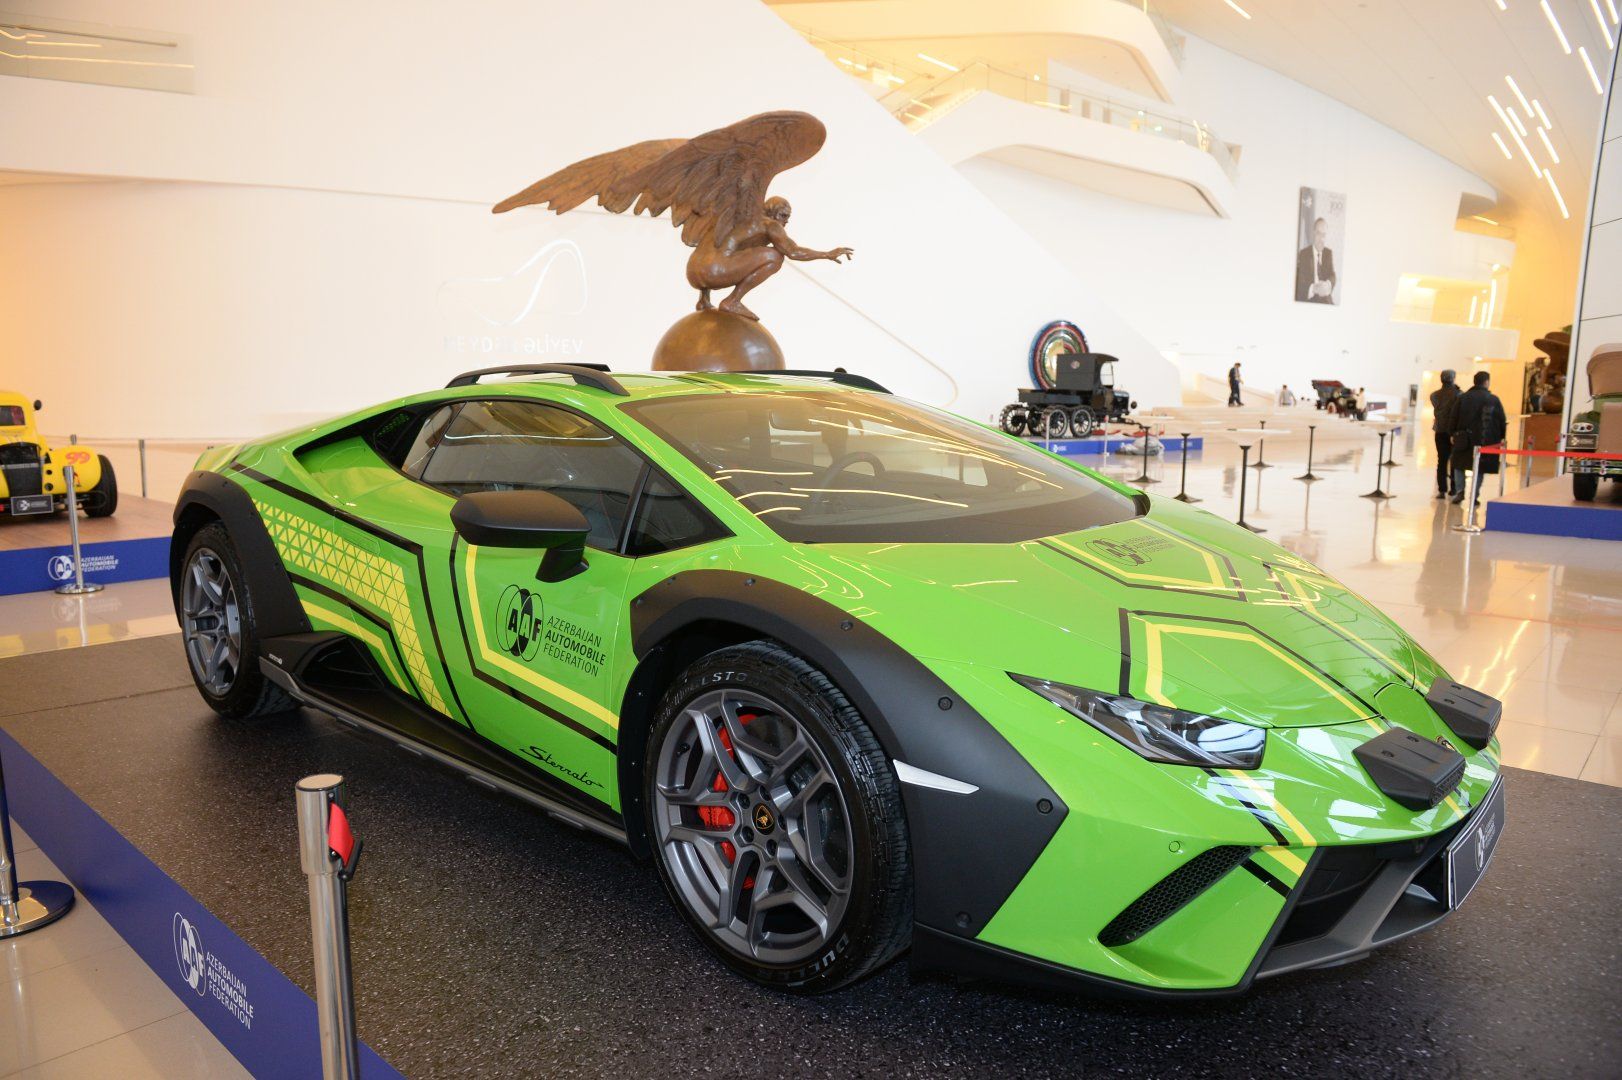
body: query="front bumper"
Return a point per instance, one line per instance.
(1350, 899)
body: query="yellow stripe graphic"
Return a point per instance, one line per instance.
(519, 671)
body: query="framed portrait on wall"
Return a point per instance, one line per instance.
(1320, 246)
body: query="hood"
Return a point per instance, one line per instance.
(1177, 606)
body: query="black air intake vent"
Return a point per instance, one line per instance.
(1172, 893)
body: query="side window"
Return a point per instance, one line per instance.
(667, 518)
(507, 444)
(429, 434)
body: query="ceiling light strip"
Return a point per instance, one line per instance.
(1520, 97)
(1604, 27)
(1593, 76)
(1610, 5)
(1537, 106)
(1549, 146)
(1549, 176)
(1554, 24)
(1499, 139)
(1243, 13)
(938, 62)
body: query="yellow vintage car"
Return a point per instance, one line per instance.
(33, 476)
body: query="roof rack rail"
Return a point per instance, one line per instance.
(584, 374)
(844, 378)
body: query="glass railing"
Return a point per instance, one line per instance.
(884, 76)
(927, 103)
(32, 46)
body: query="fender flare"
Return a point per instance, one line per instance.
(969, 851)
(276, 605)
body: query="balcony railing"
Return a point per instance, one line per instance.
(919, 105)
(1173, 40)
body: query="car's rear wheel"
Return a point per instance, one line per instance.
(1054, 422)
(218, 627)
(1081, 422)
(1585, 486)
(104, 496)
(777, 821)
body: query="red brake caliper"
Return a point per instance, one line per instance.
(720, 817)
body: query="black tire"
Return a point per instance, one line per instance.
(1055, 422)
(850, 797)
(243, 690)
(1013, 419)
(105, 492)
(1081, 422)
(1585, 486)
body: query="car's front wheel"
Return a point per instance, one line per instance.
(104, 500)
(219, 628)
(777, 821)
(1585, 486)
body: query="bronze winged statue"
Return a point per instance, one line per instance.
(714, 186)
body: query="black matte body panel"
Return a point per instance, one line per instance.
(276, 605)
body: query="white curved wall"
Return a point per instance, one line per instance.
(1212, 291)
(313, 205)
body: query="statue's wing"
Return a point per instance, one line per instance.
(569, 187)
(718, 179)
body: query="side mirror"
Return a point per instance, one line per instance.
(38, 404)
(526, 519)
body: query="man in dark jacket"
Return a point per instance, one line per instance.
(1478, 420)
(1233, 386)
(1444, 403)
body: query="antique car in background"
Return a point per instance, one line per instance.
(1600, 428)
(33, 476)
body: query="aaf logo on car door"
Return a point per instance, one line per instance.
(520, 617)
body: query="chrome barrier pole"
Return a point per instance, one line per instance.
(25, 905)
(1526, 468)
(141, 446)
(1468, 525)
(322, 823)
(78, 586)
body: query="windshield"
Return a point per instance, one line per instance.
(868, 468)
(12, 416)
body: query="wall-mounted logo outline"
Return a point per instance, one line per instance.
(546, 257)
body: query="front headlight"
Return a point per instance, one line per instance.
(1156, 732)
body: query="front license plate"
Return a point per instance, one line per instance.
(1471, 850)
(32, 504)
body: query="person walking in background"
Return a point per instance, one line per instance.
(1444, 407)
(1360, 405)
(1479, 420)
(1285, 398)
(1233, 386)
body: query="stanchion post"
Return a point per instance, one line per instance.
(1182, 492)
(1468, 525)
(1244, 468)
(78, 586)
(1312, 431)
(1391, 461)
(1261, 448)
(1143, 477)
(1526, 469)
(1378, 492)
(141, 446)
(321, 801)
(25, 905)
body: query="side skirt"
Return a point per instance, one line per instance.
(324, 671)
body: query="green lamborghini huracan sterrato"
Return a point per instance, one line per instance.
(856, 674)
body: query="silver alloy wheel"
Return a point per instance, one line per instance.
(753, 826)
(212, 622)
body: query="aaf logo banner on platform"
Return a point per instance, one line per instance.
(207, 974)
